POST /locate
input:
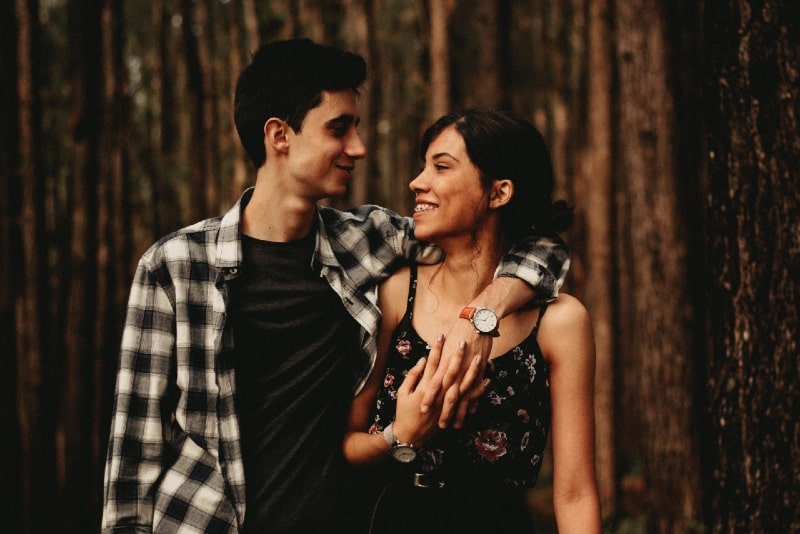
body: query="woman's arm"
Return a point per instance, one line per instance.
(410, 424)
(359, 447)
(567, 342)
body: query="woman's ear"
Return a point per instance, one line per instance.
(276, 135)
(502, 191)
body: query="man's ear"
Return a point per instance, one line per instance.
(276, 135)
(501, 193)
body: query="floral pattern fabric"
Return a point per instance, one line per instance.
(503, 442)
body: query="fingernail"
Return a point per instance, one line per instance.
(477, 359)
(462, 345)
(421, 361)
(424, 409)
(486, 382)
(440, 337)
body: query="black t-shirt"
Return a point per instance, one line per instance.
(295, 353)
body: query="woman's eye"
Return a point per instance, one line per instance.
(441, 167)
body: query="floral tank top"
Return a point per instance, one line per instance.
(504, 440)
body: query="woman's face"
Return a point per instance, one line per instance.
(449, 198)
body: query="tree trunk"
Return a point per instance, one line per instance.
(754, 395)
(656, 318)
(114, 253)
(241, 30)
(357, 31)
(439, 53)
(488, 90)
(166, 157)
(34, 365)
(11, 105)
(597, 172)
(199, 86)
(75, 425)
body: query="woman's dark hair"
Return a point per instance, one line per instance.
(505, 146)
(285, 79)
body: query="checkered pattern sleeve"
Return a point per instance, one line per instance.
(136, 444)
(541, 261)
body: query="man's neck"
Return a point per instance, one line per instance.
(272, 216)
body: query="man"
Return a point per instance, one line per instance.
(248, 334)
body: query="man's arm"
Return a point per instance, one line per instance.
(533, 270)
(136, 442)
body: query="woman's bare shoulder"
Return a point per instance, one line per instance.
(566, 325)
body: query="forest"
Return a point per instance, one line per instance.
(673, 126)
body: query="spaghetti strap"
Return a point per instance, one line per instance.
(542, 309)
(412, 290)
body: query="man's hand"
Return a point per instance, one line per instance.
(459, 374)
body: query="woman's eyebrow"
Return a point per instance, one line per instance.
(444, 154)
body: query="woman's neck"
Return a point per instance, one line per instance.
(467, 268)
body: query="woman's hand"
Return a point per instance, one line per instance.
(411, 424)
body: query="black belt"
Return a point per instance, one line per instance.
(427, 480)
(451, 481)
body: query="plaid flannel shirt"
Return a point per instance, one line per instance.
(174, 461)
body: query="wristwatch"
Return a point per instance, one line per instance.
(402, 452)
(483, 319)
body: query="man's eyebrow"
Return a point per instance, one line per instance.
(344, 119)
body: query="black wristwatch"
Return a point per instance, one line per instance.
(402, 452)
(483, 319)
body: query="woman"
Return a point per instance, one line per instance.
(487, 180)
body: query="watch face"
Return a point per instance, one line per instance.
(484, 320)
(404, 453)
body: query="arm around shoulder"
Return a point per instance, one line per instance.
(541, 261)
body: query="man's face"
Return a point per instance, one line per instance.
(323, 153)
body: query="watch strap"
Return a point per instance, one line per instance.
(467, 312)
(388, 435)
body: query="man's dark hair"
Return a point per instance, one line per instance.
(285, 79)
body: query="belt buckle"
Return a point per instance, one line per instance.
(424, 480)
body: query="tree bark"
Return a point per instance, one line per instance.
(656, 315)
(488, 89)
(439, 53)
(357, 17)
(754, 401)
(74, 426)
(597, 173)
(10, 253)
(204, 187)
(37, 427)
(241, 30)
(114, 251)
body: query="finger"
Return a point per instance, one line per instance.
(461, 412)
(412, 377)
(431, 379)
(451, 399)
(433, 359)
(476, 394)
(472, 375)
(454, 372)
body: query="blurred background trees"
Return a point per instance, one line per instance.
(673, 127)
